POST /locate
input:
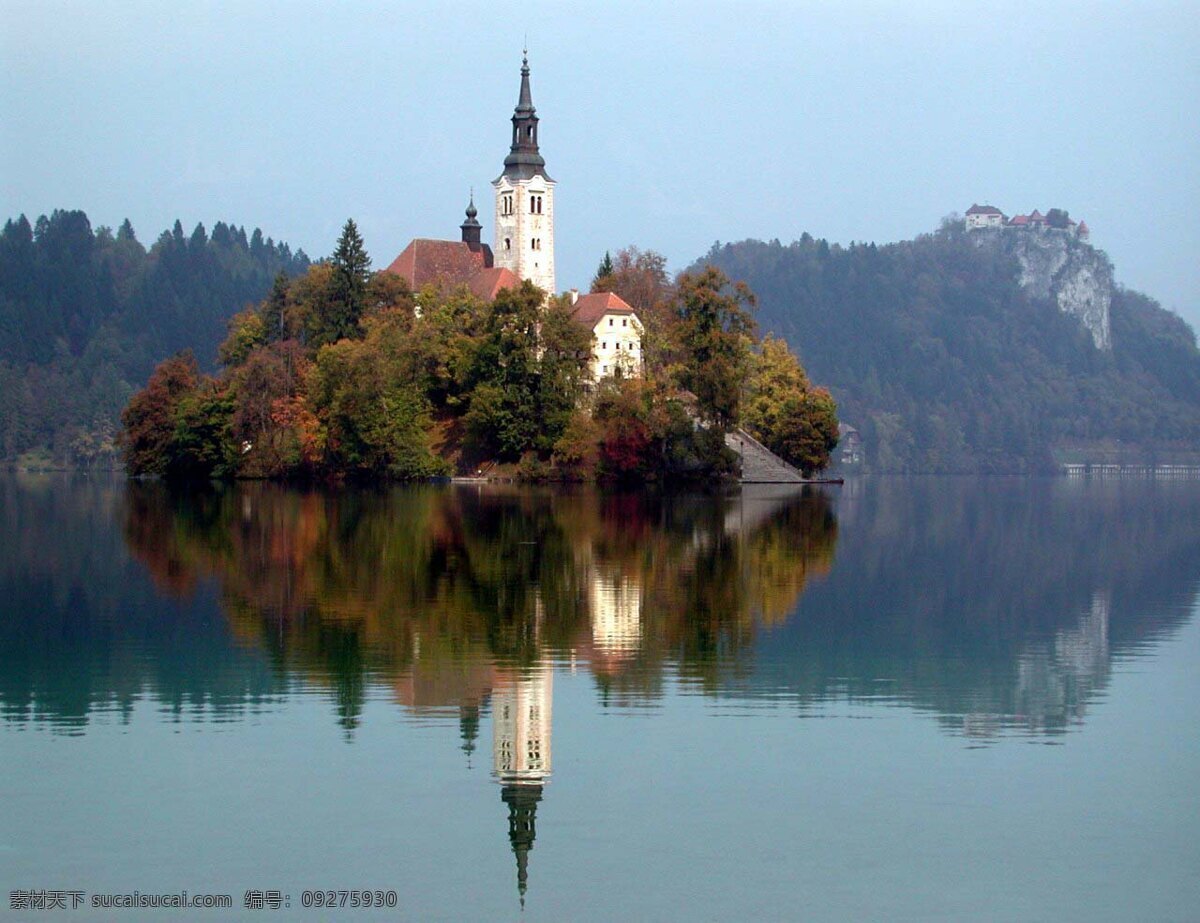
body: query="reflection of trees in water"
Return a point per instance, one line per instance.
(974, 600)
(423, 585)
(463, 599)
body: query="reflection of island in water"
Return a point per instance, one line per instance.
(993, 605)
(464, 598)
(342, 587)
(967, 598)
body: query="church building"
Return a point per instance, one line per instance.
(523, 249)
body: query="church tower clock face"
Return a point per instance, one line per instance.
(525, 200)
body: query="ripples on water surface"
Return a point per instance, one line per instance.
(771, 705)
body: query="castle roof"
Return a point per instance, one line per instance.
(590, 309)
(984, 210)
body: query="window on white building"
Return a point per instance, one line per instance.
(508, 243)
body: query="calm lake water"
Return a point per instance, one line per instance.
(899, 699)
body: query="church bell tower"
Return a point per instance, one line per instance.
(525, 200)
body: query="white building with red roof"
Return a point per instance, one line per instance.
(984, 216)
(616, 334)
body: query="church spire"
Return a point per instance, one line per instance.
(525, 102)
(522, 801)
(524, 160)
(471, 228)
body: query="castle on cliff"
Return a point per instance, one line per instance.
(979, 217)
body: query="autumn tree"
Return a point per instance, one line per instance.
(150, 419)
(265, 389)
(376, 420)
(247, 332)
(785, 412)
(629, 431)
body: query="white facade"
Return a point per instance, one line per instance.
(525, 229)
(993, 219)
(618, 345)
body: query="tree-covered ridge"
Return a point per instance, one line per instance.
(341, 373)
(85, 313)
(933, 350)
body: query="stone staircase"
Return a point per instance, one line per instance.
(759, 464)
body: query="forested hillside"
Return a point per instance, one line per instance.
(85, 314)
(941, 359)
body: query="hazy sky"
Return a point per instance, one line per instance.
(666, 126)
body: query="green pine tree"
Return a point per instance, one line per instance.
(351, 269)
(605, 270)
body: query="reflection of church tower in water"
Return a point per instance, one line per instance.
(522, 709)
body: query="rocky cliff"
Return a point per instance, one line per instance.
(1057, 267)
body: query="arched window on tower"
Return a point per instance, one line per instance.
(508, 243)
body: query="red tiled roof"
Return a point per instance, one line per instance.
(984, 210)
(1019, 220)
(445, 261)
(590, 308)
(486, 283)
